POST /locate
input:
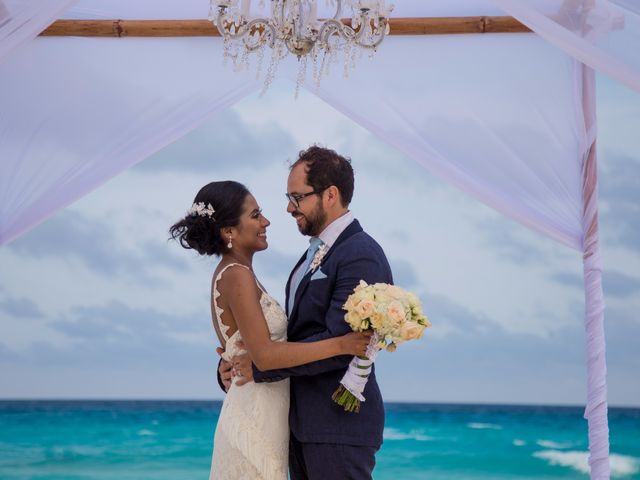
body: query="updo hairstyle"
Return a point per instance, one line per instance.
(202, 233)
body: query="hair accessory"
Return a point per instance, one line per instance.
(200, 209)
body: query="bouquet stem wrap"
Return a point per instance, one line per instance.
(349, 393)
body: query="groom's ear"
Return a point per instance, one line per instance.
(333, 195)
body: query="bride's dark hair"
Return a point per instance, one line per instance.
(202, 232)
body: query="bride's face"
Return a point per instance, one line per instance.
(251, 232)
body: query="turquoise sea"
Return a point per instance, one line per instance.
(157, 440)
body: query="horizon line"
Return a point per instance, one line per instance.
(390, 402)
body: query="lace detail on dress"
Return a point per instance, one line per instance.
(219, 311)
(252, 436)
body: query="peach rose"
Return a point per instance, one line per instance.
(353, 319)
(365, 309)
(395, 292)
(396, 313)
(377, 321)
(411, 331)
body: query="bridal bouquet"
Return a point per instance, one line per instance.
(395, 316)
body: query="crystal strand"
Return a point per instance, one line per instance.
(211, 16)
(314, 59)
(355, 53)
(244, 60)
(347, 58)
(260, 56)
(235, 55)
(226, 47)
(302, 73)
(273, 67)
(321, 71)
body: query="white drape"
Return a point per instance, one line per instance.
(513, 139)
(515, 144)
(76, 112)
(596, 409)
(22, 20)
(604, 34)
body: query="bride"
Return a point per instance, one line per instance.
(252, 434)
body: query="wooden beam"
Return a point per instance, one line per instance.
(204, 28)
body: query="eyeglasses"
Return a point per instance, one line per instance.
(295, 198)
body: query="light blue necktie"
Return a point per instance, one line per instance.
(314, 244)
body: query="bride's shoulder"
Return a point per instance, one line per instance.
(234, 276)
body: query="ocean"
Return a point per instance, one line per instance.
(161, 440)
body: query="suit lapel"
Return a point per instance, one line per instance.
(353, 228)
(288, 287)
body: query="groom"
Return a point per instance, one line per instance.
(325, 441)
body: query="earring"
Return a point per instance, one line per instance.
(229, 245)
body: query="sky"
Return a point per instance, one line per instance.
(96, 302)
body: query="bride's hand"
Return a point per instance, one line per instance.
(355, 343)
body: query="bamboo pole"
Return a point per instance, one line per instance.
(204, 28)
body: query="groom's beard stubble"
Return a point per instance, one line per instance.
(313, 222)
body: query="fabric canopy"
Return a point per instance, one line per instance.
(516, 131)
(604, 34)
(22, 20)
(162, 88)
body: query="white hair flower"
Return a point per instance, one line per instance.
(202, 210)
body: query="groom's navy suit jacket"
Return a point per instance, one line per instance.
(317, 314)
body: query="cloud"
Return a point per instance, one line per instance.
(620, 200)
(95, 244)
(20, 308)
(618, 284)
(274, 263)
(455, 316)
(615, 284)
(118, 336)
(220, 146)
(7, 355)
(568, 279)
(478, 360)
(505, 238)
(404, 274)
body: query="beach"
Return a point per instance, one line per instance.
(158, 440)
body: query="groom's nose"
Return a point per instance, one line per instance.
(290, 207)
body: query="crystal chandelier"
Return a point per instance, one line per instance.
(293, 27)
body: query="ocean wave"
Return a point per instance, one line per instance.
(552, 444)
(621, 465)
(71, 451)
(146, 433)
(519, 443)
(484, 426)
(395, 434)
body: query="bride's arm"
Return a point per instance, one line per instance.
(241, 293)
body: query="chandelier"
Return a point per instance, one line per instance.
(293, 27)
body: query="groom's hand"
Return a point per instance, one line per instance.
(225, 370)
(242, 367)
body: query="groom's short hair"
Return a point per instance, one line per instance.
(326, 167)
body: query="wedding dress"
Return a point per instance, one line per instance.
(252, 435)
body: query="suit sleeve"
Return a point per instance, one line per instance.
(220, 379)
(367, 265)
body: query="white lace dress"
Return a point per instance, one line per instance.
(252, 435)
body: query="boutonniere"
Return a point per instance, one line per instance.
(317, 258)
